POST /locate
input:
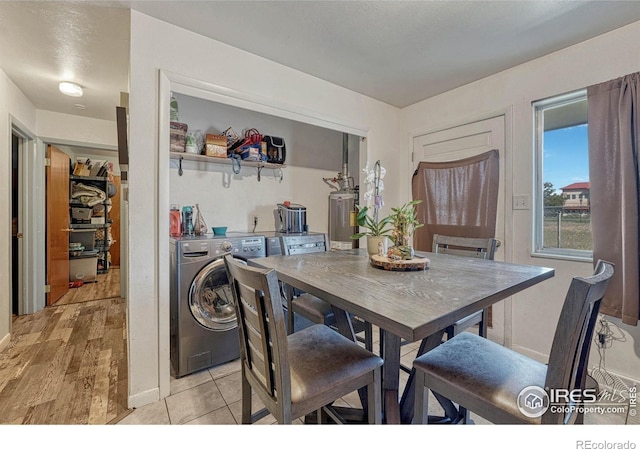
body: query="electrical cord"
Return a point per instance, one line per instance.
(604, 337)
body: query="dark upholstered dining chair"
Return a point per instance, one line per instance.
(297, 374)
(504, 386)
(468, 247)
(481, 248)
(319, 311)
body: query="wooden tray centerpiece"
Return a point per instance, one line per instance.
(392, 264)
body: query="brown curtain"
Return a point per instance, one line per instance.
(459, 198)
(614, 129)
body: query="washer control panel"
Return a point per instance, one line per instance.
(249, 247)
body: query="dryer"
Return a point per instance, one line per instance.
(204, 329)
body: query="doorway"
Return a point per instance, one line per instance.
(464, 141)
(16, 256)
(94, 272)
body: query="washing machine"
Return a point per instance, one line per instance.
(204, 329)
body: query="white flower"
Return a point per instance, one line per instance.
(373, 184)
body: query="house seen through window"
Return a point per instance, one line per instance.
(562, 208)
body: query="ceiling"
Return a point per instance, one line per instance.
(399, 52)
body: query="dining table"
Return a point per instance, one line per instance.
(412, 305)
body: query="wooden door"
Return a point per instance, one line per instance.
(114, 215)
(465, 141)
(57, 185)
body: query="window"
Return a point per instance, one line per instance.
(562, 212)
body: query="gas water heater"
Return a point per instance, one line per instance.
(342, 219)
(342, 205)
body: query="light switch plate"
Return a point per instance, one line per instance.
(521, 202)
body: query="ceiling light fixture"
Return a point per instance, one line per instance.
(71, 89)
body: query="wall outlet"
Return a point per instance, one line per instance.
(521, 202)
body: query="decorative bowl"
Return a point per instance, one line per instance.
(219, 230)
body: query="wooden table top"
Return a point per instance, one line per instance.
(410, 304)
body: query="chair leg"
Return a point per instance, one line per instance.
(421, 401)
(464, 415)
(374, 398)
(246, 400)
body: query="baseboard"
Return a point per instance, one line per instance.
(544, 358)
(540, 357)
(144, 398)
(5, 341)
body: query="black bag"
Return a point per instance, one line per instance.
(276, 149)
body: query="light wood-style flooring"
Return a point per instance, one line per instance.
(107, 285)
(66, 364)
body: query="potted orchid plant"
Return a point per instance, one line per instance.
(377, 231)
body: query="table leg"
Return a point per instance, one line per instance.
(288, 294)
(390, 377)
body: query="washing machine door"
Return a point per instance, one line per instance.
(210, 298)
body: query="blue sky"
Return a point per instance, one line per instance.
(566, 156)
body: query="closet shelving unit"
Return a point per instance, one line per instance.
(101, 245)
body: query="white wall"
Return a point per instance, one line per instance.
(12, 104)
(535, 311)
(193, 56)
(55, 127)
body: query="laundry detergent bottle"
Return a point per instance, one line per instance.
(174, 221)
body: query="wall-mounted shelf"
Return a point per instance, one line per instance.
(89, 225)
(224, 161)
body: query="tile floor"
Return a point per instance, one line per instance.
(212, 396)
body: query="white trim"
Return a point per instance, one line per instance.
(4, 341)
(32, 220)
(162, 258)
(143, 398)
(80, 144)
(537, 236)
(254, 102)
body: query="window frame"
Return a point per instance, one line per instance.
(538, 108)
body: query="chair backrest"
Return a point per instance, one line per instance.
(465, 246)
(571, 343)
(311, 243)
(263, 336)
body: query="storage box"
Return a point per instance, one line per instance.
(178, 136)
(83, 269)
(81, 213)
(97, 220)
(216, 145)
(86, 237)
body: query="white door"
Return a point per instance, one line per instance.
(466, 141)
